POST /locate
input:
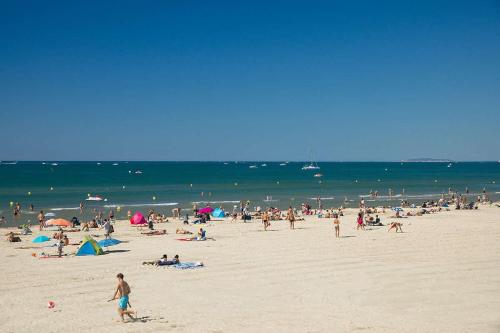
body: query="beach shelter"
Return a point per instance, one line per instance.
(41, 239)
(108, 242)
(206, 210)
(59, 222)
(218, 213)
(138, 219)
(89, 247)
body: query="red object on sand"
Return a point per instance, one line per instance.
(138, 218)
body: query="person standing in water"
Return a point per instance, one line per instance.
(291, 217)
(122, 292)
(336, 224)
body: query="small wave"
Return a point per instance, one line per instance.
(64, 208)
(142, 205)
(216, 202)
(380, 196)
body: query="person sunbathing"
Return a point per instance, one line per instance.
(13, 238)
(395, 225)
(163, 261)
(183, 232)
(155, 232)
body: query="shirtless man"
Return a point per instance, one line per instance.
(336, 224)
(265, 220)
(41, 220)
(122, 291)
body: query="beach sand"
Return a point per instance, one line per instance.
(441, 275)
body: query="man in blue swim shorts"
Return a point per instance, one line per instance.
(122, 292)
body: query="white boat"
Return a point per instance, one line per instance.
(283, 164)
(54, 164)
(318, 175)
(138, 172)
(115, 164)
(98, 163)
(94, 198)
(253, 167)
(264, 165)
(311, 166)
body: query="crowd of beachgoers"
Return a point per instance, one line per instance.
(66, 236)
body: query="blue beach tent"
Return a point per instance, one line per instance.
(218, 213)
(89, 247)
(41, 239)
(108, 242)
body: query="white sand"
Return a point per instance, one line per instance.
(441, 275)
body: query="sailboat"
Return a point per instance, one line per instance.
(311, 166)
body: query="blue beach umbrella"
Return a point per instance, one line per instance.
(108, 242)
(41, 239)
(397, 209)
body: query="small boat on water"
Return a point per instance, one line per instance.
(311, 166)
(253, 167)
(282, 164)
(54, 164)
(94, 198)
(264, 165)
(115, 164)
(138, 172)
(318, 175)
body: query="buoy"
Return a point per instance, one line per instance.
(88, 194)
(278, 183)
(435, 180)
(191, 185)
(11, 203)
(356, 181)
(235, 184)
(51, 188)
(123, 187)
(51, 305)
(29, 193)
(154, 198)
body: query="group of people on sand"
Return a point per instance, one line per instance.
(163, 261)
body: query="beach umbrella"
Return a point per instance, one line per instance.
(108, 242)
(41, 239)
(206, 210)
(59, 222)
(397, 209)
(138, 218)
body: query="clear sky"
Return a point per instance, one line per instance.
(254, 80)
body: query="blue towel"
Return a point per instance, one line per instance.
(188, 265)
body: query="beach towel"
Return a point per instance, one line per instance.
(188, 265)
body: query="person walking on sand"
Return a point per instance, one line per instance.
(291, 217)
(265, 220)
(336, 224)
(122, 292)
(41, 220)
(361, 224)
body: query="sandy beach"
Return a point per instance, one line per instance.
(441, 275)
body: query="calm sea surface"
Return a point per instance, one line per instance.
(60, 188)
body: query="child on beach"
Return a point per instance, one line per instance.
(265, 220)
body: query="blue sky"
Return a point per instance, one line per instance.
(255, 80)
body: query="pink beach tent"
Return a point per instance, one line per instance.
(138, 218)
(206, 210)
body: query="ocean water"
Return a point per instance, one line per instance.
(164, 185)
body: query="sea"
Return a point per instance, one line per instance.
(58, 187)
